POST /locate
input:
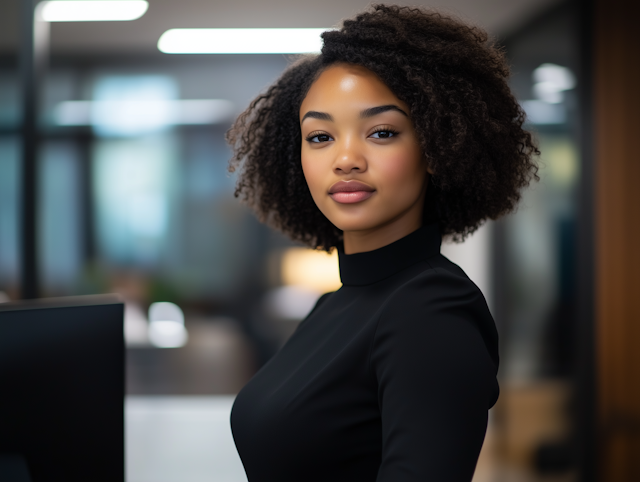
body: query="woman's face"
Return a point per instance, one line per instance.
(361, 157)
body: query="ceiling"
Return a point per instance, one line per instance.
(500, 17)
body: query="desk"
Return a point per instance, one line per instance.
(180, 439)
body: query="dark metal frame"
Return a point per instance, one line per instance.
(586, 395)
(30, 70)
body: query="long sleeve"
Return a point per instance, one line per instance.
(436, 378)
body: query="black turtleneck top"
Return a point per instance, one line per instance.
(388, 379)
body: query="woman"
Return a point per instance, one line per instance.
(401, 131)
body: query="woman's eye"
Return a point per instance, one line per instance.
(383, 134)
(319, 138)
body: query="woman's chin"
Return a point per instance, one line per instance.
(355, 225)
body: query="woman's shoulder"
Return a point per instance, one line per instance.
(440, 299)
(438, 280)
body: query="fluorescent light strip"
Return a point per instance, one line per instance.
(241, 40)
(91, 10)
(172, 112)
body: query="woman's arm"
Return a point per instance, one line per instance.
(436, 379)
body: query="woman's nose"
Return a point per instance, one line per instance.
(349, 158)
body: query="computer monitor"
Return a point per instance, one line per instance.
(62, 390)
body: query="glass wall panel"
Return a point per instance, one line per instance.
(10, 165)
(9, 98)
(135, 182)
(539, 236)
(60, 218)
(9, 212)
(533, 429)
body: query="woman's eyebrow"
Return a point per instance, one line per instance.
(380, 109)
(317, 115)
(370, 112)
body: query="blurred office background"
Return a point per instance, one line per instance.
(132, 196)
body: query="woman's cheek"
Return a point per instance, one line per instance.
(397, 170)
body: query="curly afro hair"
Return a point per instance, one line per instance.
(454, 81)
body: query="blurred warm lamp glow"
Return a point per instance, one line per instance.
(241, 40)
(315, 270)
(91, 10)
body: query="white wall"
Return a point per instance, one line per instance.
(474, 257)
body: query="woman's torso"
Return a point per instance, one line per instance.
(353, 391)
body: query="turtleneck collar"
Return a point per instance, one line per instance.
(372, 266)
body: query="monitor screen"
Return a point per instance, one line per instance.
(62, 396)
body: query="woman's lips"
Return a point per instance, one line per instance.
(351, 197)
(347, 192)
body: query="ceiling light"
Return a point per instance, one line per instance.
(91, 10)
(241, 40)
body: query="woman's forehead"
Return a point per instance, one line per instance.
(346, 83)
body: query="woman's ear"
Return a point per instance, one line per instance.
(426, 161)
